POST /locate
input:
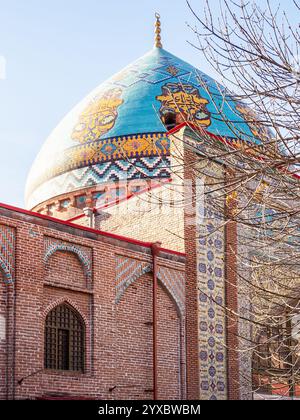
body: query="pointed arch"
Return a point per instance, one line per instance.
(68, 301)
(8, 279)
(134, 274)
(129, 271)
(171, 285)
(63, 247)
(64, 339)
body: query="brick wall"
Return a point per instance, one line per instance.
(193, 379)
(232, 318)
(142, 218)
(118, 345)
(57, 270)
(134, 348)
(3, 348)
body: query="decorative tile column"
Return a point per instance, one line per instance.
(7, 252)
(210, 251)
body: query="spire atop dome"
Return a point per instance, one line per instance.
(158, 43)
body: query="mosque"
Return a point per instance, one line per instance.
(107, 291)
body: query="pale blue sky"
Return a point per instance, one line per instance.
(57, 51)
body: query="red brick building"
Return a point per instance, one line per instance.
(67, 284)
(86, 312)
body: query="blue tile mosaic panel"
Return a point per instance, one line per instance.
(211, 300)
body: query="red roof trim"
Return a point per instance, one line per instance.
(223, 140)
(86, 229)
(117, 202)
(186, 124)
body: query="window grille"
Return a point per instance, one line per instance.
(64, 339)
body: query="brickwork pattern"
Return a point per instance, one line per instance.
(7, 253)
(128, 271)
(84, 255)
(134, 348)
(43, 283)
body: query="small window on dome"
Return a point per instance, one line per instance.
(118, 193)
(135, 189)
(50, 209)
(169, 120)
(98, 197)
(81, 201)
(64, 204)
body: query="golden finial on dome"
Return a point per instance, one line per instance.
(158, 43)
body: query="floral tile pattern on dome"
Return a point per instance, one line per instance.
(99, 116)
(105, 125)
(109, 150)
(184, 100)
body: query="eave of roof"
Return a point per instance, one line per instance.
(87, 229)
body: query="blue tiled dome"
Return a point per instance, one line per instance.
(119, 130)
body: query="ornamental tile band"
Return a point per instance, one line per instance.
(84, 254)
(125, 118)
(7, 253)
(123, 148)
(141, 168)
(211, 298)
(128, 271)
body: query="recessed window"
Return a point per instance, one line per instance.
(64, 339)
(276, 356)
(99, 197)
(135, 189)
(118, 193)
(81, 201)
(64, 204)
(169, 120)
(50, 209)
